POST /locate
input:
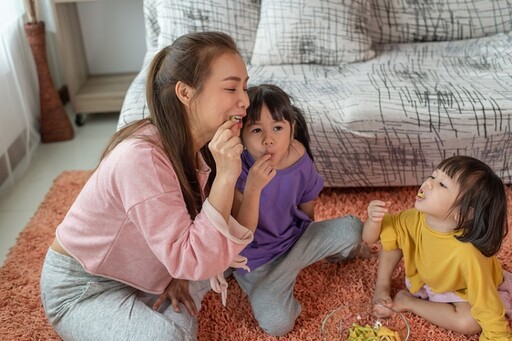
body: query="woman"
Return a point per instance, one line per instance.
(155, 214)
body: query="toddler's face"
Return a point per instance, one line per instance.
(267, 136)
(436, 198)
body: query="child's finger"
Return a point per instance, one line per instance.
(379, 203)
(376, 214)
(262, 159)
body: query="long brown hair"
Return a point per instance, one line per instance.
(187, 60)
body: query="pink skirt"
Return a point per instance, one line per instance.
(504, 290)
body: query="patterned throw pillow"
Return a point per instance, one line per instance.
(326, 32)
(403, 21)
(238, 18)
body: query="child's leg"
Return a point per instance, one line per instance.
(272, 301)
(453, 316)
(81, 306)
(334, 239)
(270, 287)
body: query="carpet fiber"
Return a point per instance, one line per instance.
(321, 287)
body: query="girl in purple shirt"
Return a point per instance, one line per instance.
(275, 193)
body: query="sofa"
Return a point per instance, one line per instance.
(389, 87)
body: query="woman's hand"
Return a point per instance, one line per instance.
(226, 148)
(177, 292)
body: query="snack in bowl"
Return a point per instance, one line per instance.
(375, 333)
(358, 322)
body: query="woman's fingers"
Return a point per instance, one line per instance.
(161, 299)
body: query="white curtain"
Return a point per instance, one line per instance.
(19, 96)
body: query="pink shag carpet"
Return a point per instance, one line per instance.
(321, 287)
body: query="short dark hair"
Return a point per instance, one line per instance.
(279, 103)
(482, 203)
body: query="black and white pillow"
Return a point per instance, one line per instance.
(405, 21)
(238, 18)
(326, 32)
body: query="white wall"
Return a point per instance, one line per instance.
(113, 32)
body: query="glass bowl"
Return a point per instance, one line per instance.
(337, 323)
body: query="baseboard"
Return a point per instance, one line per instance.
(12, 157)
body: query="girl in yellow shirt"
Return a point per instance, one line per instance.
(448, 242)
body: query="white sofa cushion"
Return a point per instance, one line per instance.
(238, 18)
(326, 32)
(401, 21)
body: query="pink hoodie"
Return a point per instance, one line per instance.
(130, 223)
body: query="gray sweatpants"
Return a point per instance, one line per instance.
(81, 306)
(270, 286)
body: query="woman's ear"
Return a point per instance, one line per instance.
(184, 93)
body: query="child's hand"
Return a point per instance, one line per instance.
(382, 298)
(260, 173)
(377, 209)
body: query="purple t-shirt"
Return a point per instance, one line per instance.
(280, 222)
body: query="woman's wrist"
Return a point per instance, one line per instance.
(225, 181)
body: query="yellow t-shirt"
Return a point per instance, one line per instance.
(445, 264)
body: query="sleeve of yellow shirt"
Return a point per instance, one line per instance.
(483, 275)
(388, 233)
(397, 229)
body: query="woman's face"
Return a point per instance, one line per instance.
(224, 95)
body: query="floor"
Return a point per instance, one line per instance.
(19, 203)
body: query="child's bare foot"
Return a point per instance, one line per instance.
(402, 300)
(361, 250)
(381, 298)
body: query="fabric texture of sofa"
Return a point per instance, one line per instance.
(389, 87)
